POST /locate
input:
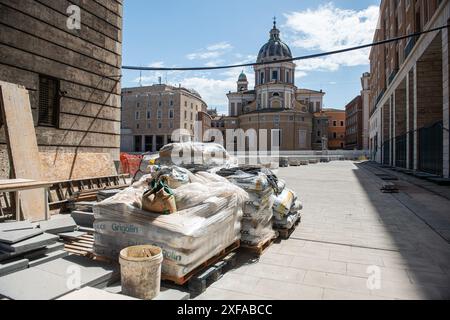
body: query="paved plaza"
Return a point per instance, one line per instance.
(354, 242)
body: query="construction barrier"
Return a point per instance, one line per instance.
(130, 163)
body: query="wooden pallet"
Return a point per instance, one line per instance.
(260, 248)
(210, 270)
(285, 234)
(82, 246)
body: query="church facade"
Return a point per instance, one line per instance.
(276, 103)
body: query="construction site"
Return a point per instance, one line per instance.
(81, 220)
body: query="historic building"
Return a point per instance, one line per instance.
(354, 129)
(151, 114)
(336, 128)
(409, 99)
(275, 103)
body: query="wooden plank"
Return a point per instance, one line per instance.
(22, 146)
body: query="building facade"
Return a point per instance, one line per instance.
(365, 97)
(336, 128)
(354, 129)
(275, 104)
(410, 86)
(72, 73)
(151, 114)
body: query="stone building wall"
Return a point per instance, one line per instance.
(35, 44)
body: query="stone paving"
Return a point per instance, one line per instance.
(354, 242)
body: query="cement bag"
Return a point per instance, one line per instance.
(297, 206)
(174, 177)
(192, 154)
(283, 203)
(287, 222)
(159, 199)
(250, 182)
(191, 251)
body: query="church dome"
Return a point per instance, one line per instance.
(242, 77)
(274, 49)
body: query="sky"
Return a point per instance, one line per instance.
(193, 33)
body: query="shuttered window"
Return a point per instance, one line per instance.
(48, 101)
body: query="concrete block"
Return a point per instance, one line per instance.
(72, 235)
(18, 235)
(48, 257)
(11, 226)
(59, 225)
(82, 218)
(31, 244)
(172, 294)
(42, 252)
(93, 294)
(92, 272)
(33, 284)
(13, 266)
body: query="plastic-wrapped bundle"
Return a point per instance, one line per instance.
(197, 232)
(283, 203)
(195, 155)
(286, 222)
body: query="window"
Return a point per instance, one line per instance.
(149, 114)
(171, 114)
(342, 123)
(149, 125)
(288, 80)
(137, 126)
(334, 123)
(159, 125)
(138, 105)
(137, 115)
(159, 114)
(334, 135)
(291, 118)
(275, 75)
(185, 114)
(192, 116)
(160, 104)
(171, 125)
(319, 133)
(185, 103)
(171, 103)
(262, 78)
(48, 102)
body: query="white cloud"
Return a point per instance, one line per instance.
(219, 46)
(211, 52)
(328, 28)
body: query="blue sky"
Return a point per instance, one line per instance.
(186, 33)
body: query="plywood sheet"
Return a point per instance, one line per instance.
(22, 146)
(63, 165)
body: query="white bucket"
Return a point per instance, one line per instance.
(140, 268)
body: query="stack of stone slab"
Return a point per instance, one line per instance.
(57, 278)
(22, 245)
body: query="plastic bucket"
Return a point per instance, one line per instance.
(140, 268)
